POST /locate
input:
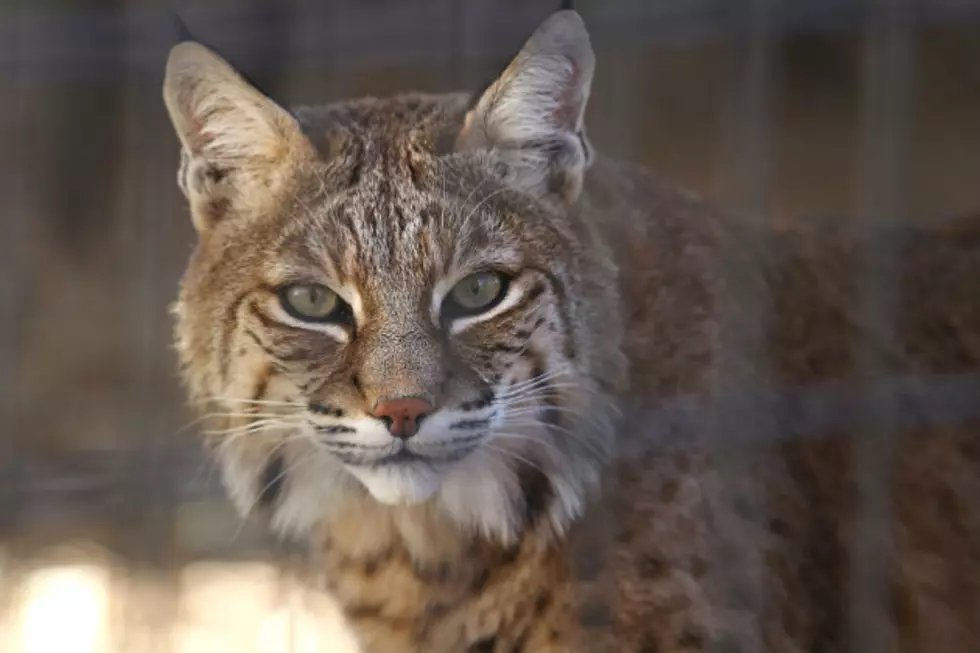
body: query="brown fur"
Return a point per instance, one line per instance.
(621, 285)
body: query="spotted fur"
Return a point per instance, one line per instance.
(519, 531)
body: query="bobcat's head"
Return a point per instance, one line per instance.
(399, 298)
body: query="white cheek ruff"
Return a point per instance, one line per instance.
(315, 485)
(481, 491)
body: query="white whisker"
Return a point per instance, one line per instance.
(515, 456)
(214, 415)
(479, 204)
(251, 427)
(506, 435)
(257, 402)
(591, 444)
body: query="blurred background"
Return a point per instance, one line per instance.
(114, 534)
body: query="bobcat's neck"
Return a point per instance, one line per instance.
(664, 242)
(408, 578)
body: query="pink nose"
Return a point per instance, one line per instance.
(402, 415)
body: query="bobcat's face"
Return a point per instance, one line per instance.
(383, 303)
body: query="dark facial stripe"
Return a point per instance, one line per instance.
(536, 491)
(357, 167)
(470, 424)
(299, 355)
(350, 445)
(323, 409)
(333, 429)
(535, 362)
(314, 387)
(485, 645)
(524, 305)
(347, 220)
(506, 349)
(261, 345)
(523, 334)
(480, 402)
(229, 326)
(272, 324)
(455, 442)
(262, 383)
(534, 292)
(558, 288)
(271, 481)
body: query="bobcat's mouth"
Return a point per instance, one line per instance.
(405, 453)
(405, 472)
(400, 457)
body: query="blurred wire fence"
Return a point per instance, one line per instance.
(114, 534)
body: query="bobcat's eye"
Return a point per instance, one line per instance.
(309, 301)
(475, 294)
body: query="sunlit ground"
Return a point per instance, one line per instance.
(88, 607)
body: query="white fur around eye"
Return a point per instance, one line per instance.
(353, 298)
(442, 288)
(335, 331)
(515, 291)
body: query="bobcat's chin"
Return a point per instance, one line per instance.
(400, 483)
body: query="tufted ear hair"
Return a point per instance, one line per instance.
(533, 114)
(239, 147)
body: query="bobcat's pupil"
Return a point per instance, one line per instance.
(476, 286)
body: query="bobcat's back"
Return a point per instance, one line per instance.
(749, 531)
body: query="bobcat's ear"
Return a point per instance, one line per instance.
(239, 147)
(532, 115)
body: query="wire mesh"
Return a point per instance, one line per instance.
(716, 94)
(886, 120)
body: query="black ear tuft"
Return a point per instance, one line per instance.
(181, 29)
(184, 35)
(566, 4)
(532, 115)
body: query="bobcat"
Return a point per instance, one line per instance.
(440, 339)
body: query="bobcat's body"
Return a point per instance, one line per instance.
(610, 321)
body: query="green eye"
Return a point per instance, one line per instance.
(309, 301)
(476, 293)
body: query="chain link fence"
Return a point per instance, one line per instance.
(114, 533)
